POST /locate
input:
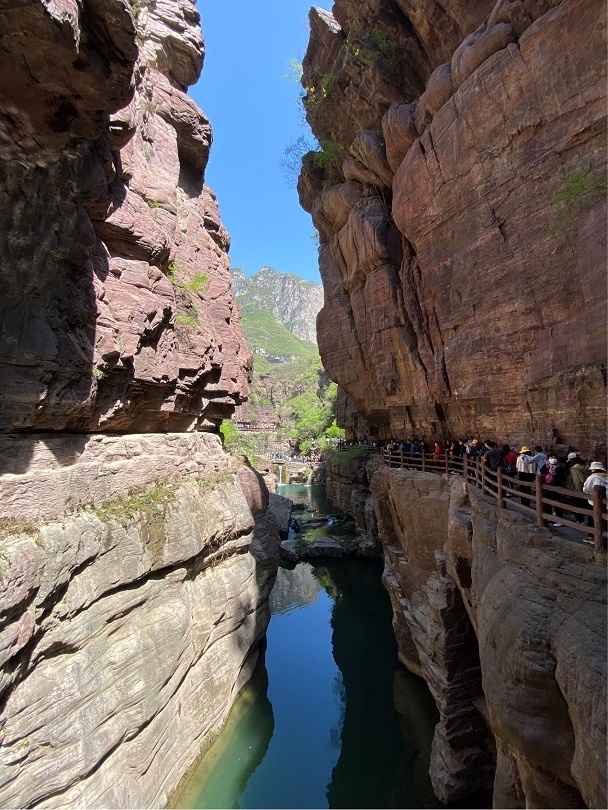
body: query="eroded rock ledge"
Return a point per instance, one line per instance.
(128, 629)
(117, 312)
(506, 623)
(462, 216)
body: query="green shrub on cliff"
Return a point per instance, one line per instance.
(357, 452)
(578, 192)
(125, 510)
(385, 50)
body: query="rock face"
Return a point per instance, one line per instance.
(462, 216)
(506, 623)
(128, 630)
(292, 301)
(122, 317)
(136, 557)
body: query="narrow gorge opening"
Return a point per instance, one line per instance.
(180, 395)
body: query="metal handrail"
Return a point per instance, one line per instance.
(502, 486)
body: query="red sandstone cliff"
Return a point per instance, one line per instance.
(505, 621)
(136, 557)
(122, 318)
(463, 223)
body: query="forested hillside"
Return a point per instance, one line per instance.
(291, 407)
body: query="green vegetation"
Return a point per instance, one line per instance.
(348, 454)
(327, 155)
(310, 409)
(327, 84)
(153, 204)
(96, 373)
(252, 445)
(578, 192)
(264, 333)
(385, 50)
(328, 159)
(295, 72)
(124, 510)
(188, 319)
(196, 284)
(10, 526)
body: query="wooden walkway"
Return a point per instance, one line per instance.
(536, 499)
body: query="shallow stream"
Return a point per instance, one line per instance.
(330, 718)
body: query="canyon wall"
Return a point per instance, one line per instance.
(506, 623)
(136, 557)
(117, 312)
(460, 200)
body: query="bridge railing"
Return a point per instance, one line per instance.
(537, 499)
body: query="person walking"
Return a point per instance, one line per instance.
(556, 477)
(598, 478)
(525, 474)
(494, 457)
(539, 461)
(577, 474)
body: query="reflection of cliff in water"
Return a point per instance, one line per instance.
(222, 775)
(378, 766)
(292, 589)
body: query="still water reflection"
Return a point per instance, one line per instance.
(330, 718)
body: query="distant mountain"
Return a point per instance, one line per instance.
(268, 338)
(292, 301)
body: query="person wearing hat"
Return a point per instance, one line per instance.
(556, 477)
(598, 478)
(578, 472)
(524, 472)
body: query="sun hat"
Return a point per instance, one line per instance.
(597, 465)
(572, 455)
(524, 449)
(474, 441)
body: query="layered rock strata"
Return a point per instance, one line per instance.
(136, 558)
(117, 312)
(506, 622)
(461, 209)
(128, 629)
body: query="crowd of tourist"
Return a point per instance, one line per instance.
(568, 471)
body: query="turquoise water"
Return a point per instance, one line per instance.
(318, 726)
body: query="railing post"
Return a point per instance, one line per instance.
(540, 520)
(500, 494)
(483, 475)
(401, 464)
(423, 464)
(447, 465)
(598, 495)
(465, 467)
(477, 473)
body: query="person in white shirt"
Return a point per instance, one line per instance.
(524, 473)
(598, 478)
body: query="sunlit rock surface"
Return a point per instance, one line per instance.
(136, 557)
(127, 633)
(463, 221)
(291, 301)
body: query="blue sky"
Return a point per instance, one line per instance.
(254, 116)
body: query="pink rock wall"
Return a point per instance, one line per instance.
(117, 312)
(463, 249)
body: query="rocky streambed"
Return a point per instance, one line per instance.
(313, 536)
